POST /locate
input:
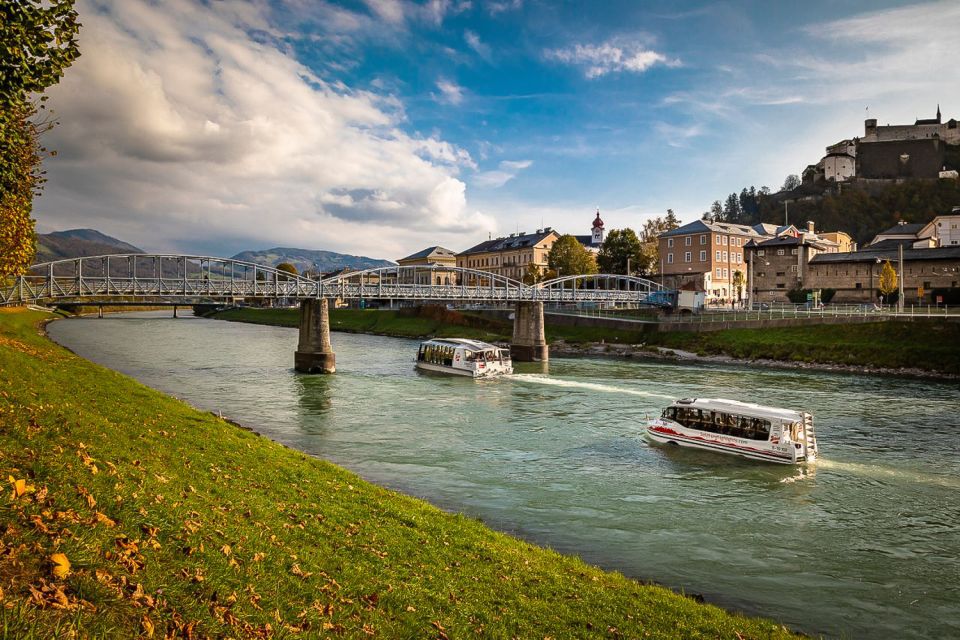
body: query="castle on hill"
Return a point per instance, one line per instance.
(890, 152)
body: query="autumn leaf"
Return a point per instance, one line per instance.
(147, 625)
(61, 566)
(20, 487)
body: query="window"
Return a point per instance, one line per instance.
(718, 256)
(721, 423)
(724, 256)
(926, 285)
(793, 268)
(780, 285)
(703, 239)
(687, 256)
(793, 251)
(761, 252)
(687, 241)
(718, 240)
(762, 274)
(669, 242)
(780, 252)
(858, 285)
(725, 274)
(703, 256)
(724, 240)
(719, 272)
(780, 274)
(669, 258)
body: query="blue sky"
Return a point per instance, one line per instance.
(382, 126)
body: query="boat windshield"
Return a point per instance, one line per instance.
(730, 424)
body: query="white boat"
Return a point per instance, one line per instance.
(739, 428)
(463, 357)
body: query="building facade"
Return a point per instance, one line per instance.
(513, 256)
(709, 255)
(436, 257)
(594, 241)
(926, 274)
(778, 265)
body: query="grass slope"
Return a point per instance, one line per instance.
(932, 346)
(177, 524)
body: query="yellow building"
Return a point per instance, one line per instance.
(437, 257)
(845, 243)
(510, 256)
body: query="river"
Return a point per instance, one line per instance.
(865, 543)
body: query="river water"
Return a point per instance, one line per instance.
(866, 543)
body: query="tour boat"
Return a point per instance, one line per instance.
(740, 428)
(464, 357)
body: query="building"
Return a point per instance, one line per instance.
(709, 254)
(922, 129)
(928, 274)
(942, 231)
(593, 242)
(511, 256)
(843, 240)
(777, 265)
(436, 257)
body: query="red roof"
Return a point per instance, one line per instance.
(597, 222)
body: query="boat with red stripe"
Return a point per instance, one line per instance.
(754, 431)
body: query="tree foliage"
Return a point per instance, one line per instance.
(791, 182)
(568, 257)
(39, 41)
(289, 268)
(888, 279)
(650, 239)
(620, 247)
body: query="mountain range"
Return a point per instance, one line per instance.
(78, 243)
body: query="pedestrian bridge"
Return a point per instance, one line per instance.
(167, 279)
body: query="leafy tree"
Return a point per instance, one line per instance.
(888, 279)
(731, 209)
(738, 282)
(621, 246)
(39, 42)
(568, 257)
(716, 211)
(288, 268)
(791, 182)
(650, 239)
(533, 274)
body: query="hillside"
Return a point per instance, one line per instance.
(77, 243)
(304, 259)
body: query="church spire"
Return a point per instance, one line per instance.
(938, 113)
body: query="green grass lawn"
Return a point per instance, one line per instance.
(177, 524)
(928, 345)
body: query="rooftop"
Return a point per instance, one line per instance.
(431, 251)
(513, 241)
(890, 253)
(703, 226)
(903, 229)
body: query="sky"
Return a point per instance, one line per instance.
(380, 127)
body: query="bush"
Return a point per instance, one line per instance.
(826, 295)
(797, 296)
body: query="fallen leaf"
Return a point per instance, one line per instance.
(20, 488)
(61, 566)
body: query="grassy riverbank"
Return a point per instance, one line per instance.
(931, 346)
(129, 512)
(407, 324)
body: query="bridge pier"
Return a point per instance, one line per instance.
(529, 342)
(100, 311)
(314, 351)
(174, 311)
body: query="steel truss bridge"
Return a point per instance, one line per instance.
(186, 280)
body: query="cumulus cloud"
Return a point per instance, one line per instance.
(179, 130)
(506, 171)
(609, 57)
(474, 42)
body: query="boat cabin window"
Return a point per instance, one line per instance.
(436, 354)
(719, 422)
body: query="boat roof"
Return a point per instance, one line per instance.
(472, 345)
(741, 408)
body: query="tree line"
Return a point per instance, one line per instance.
(624, 251)
(39, 41)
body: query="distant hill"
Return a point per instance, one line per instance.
(77, 243)
(304, 259)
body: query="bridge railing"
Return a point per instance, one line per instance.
(191, 279)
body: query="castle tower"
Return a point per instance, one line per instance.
(597, 237)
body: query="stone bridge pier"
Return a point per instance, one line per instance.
(314, 351)
(529, 342)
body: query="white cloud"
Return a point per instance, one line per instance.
(450, 92)
(610, 57)
(179, 131)
(474, 42)
(506, 171)
(501, 6)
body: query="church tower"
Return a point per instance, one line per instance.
(597, 237)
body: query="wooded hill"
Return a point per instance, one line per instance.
(860, 209)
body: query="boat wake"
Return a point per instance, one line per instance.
(591, 386)
(878, 472)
